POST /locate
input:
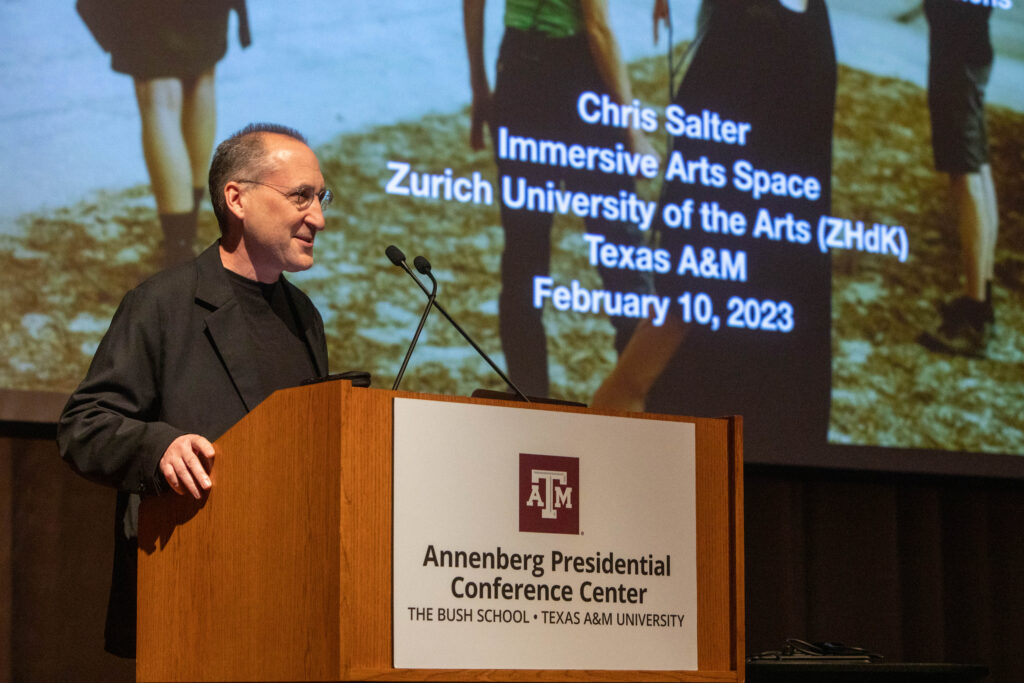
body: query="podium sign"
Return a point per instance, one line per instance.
(527, 539)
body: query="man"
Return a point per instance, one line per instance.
(190, 351)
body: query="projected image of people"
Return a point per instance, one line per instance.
(750, 329)
(552, 51)
(170, 49)
(959, 65)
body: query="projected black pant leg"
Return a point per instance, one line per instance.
(527, 254)
(617, 279)
(538, 84)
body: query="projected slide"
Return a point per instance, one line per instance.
(807, 212)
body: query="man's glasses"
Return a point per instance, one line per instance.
(301, 197)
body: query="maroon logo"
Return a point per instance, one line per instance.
(549, 498)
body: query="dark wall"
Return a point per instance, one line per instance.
(54, 589)
(924, 569)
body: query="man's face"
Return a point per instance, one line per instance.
(279, 236)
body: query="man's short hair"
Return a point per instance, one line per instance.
(243, 155)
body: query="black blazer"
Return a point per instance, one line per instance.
(177, 359)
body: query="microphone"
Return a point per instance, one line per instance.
(396, 256)
(423, 266)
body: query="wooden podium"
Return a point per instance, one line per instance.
(284, 571)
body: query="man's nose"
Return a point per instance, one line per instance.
(315, 216)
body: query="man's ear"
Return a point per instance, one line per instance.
(233, 199)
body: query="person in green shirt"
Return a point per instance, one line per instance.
(552, 52)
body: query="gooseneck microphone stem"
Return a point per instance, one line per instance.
(396, 256)
(416, 337)
(423, 317)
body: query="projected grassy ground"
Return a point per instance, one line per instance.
(63, 279)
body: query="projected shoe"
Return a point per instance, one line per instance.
(966, 328)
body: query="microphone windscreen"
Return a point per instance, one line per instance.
(394, 254)
(421, 264)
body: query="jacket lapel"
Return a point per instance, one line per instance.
(227, 328)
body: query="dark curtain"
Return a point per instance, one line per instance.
(919, 569)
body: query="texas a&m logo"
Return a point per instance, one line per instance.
(549, 498)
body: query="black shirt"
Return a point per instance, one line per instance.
(282, 354)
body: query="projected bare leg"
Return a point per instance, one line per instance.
(178, 122)
(968, 321)
(641, 363)
(199, 126)
(974, 217)
(991, 225)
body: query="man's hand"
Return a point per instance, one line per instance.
(661, 16)
(638, 143)
(185, 464)
(481, 115)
